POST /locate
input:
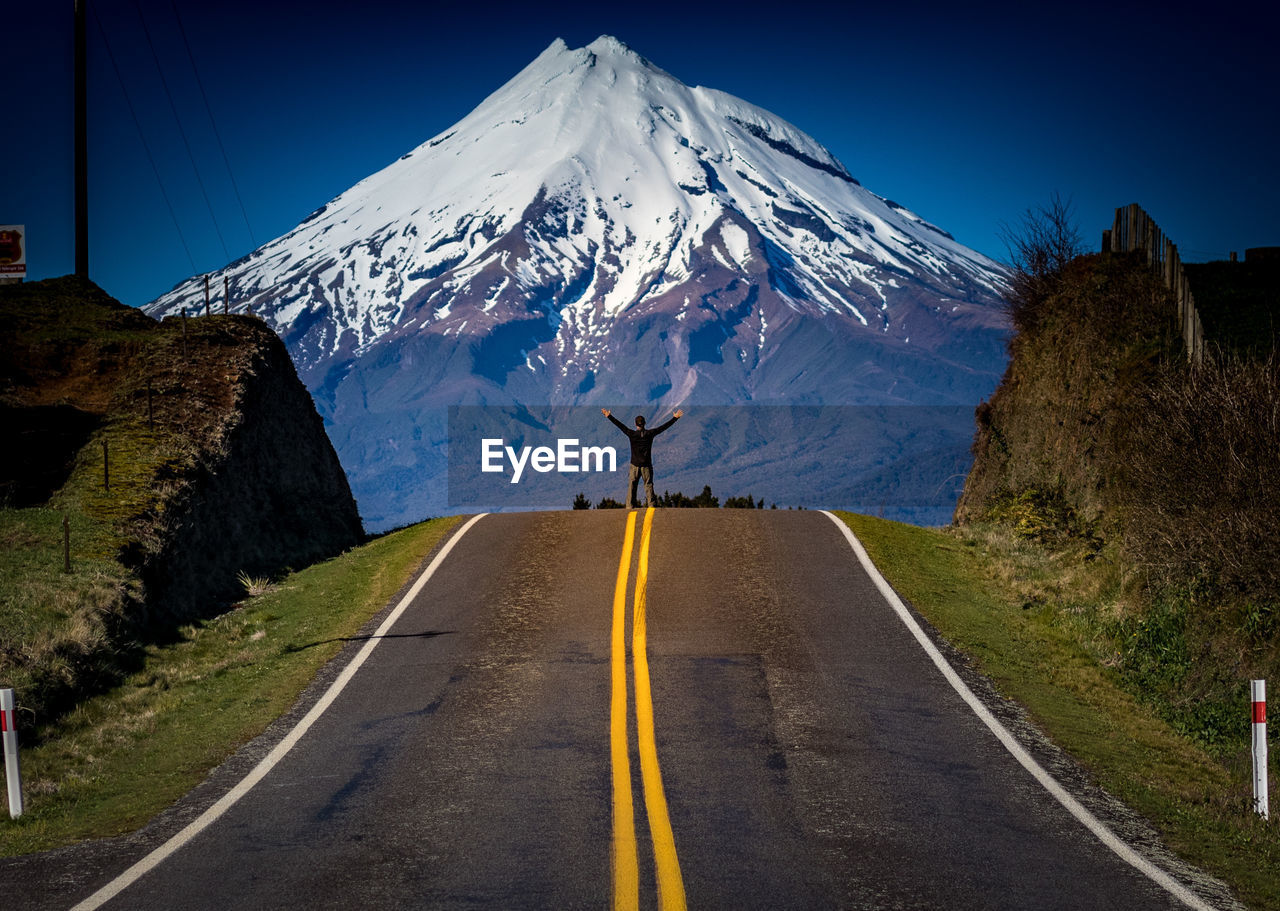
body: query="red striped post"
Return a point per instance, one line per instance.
(12, 772)
(1259, 688)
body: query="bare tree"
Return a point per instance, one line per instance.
(1039, 248)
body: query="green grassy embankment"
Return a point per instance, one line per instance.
(1039, 622)
(120, 757)
(179, 453)
(62, 629)
(66, 367)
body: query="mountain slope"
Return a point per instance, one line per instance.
(598, 232)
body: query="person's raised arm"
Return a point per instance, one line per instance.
(675, 417)
(621, 426)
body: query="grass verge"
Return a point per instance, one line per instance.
(121, 757)
(56, 626)
(972, 584)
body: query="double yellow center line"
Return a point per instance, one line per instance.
(626, 875)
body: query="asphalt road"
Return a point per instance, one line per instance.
(805, 752)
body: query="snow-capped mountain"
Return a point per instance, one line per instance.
(598, 232)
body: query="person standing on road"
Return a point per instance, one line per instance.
(641, 454)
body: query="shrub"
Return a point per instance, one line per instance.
(254, 585)
(1040, 247)
(1039, 514)
(1199, 478)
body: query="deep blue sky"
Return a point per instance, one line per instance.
(966, 113)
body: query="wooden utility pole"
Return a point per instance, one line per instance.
(81, 144)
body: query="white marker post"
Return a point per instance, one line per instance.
(12, 772)
(1259, 688)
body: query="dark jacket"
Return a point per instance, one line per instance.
(642, 441)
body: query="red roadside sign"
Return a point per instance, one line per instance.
(13, 251)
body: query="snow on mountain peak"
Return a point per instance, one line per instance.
(591, 182)
(596, 231)
(609, 46)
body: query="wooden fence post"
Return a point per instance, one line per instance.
(1135, 229)
(206, 295)
(226, 295)
(1196, 346)
(1174, 284)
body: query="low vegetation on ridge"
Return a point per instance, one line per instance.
(1132, 497)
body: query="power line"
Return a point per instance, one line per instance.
(142, 137)
(186, 142)
(209, 110)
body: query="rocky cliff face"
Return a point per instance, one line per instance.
(1051, 441)
(218, 461)
(267, 493)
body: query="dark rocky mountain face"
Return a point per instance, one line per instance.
(597, 233)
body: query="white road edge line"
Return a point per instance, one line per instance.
(160, 854)
(1050, 784)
